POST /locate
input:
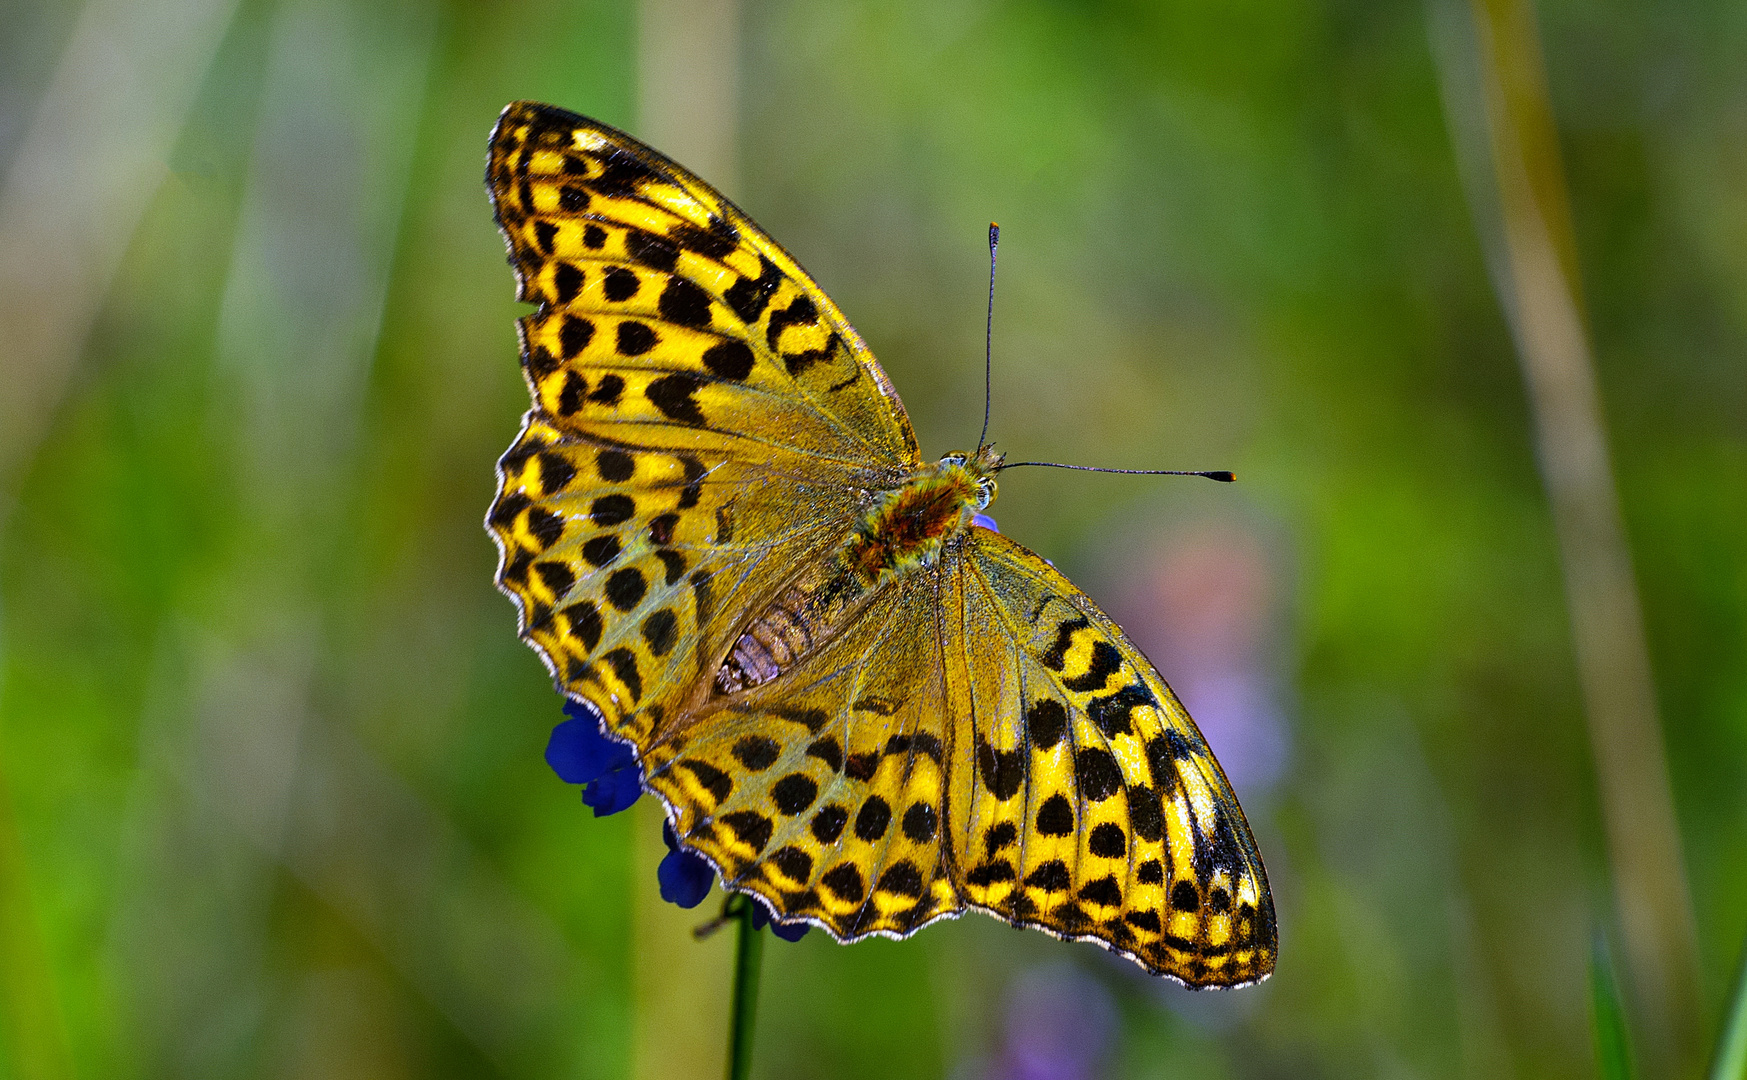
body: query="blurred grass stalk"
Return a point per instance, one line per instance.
(1613, 1048)
(688, 80)
(1730, 1062)
(1495, 98)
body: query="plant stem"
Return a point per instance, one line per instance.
(743, 1017)
(1731, 1062)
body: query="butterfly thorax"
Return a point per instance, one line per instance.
(904, 529)
(907, 527)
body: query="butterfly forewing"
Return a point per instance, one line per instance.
(663, 307)
(679, 362)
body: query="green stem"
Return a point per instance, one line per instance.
(748, 952)
(1731, 1062)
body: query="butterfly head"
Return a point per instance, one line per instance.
(981, 467)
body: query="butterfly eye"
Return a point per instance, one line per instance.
(987, 486)
(953, 459)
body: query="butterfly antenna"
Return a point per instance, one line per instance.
(989, 334)
(1221, 475)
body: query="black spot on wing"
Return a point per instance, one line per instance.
(621, 174)
(660, 631)
(1108, 841)
(601, 550)
(672, 394)
(694, 481)
(729, 360)
(651, 250)
(607, 391)
(1055, 657)
(1185, 897)
(684, 303)
(800, 312)
(556, 577)
(1103, 891)
(625, 588)
(1111, 711)
(713, 780)
(714, 242)
(615, 466)
(990, 872)
(585, 623)
(556, 473)
(1099, 775)
(794, 793)
(610, 510)
(828, 823)
(920, 822)
(567, 279)
(545, 526)
(1106, 661)
(621, 284)
(1055, 817)
(1003, 771)
(571, 394)
(902, 879)
(672, 564)
(794, 863)
(1046, 722)
(1052, 876)
(828, 751)
(1145, 813)
(635, 338)
(624, 665)
(748, 296)
(845, 882)
(752, 829)
(871, 822)
(575, 336)
(756, 752)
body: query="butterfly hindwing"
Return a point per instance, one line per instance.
(1094, 808)
(825, 790)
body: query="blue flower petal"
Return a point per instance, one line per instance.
(614, 790)
(578, 752)
(788, 931)
(685, 878)
(985, 521)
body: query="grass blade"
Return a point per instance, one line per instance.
(1731, 1059)
(1613, 1053)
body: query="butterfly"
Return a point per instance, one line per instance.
(856, 703)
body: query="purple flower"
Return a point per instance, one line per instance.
(684, 875)
(580, 752)
(788, 931)
(985, 521)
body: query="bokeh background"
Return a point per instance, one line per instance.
(272, 801)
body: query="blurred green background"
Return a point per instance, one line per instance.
(272, 801)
